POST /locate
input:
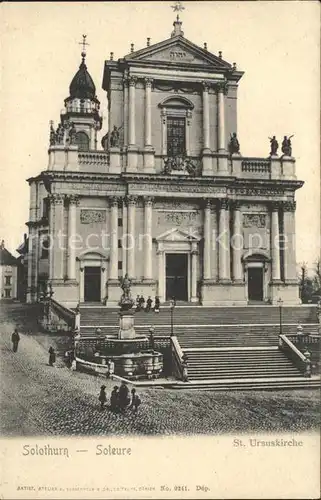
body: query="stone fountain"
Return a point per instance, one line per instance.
(132, 354)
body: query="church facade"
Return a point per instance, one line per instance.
(168, 198)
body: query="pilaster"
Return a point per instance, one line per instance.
(224, 242)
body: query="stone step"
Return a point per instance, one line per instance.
(253, 385)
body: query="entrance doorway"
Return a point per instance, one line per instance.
(92, 284)
(176, 276)
(255, 283)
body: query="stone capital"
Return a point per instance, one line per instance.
(221, 87)
(289, 206)
(132, 81)
(207, 204)
(224, 204)
(205, 86)
(236, 205)
(131, 200)
(114, 201)
(73, 199)
(148, 83)
(275, 206)
(57, 199)
(148, 200)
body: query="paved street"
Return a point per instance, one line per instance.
(39, 399)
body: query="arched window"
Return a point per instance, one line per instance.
(82, 141)
(176, 115)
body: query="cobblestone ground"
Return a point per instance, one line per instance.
(39, 400)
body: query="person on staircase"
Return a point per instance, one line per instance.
(157, 304)
(149, 303)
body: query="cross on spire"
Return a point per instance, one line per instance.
(83, 43)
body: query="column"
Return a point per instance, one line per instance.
(148, 117)
(221, 118)
(164, 133)
(187, 132)
(57, 251)
(124, 241)
(72, 230)
(131, 203)
(132, 117)
(206, 117)
(289, 241)
(148, 245)
(161, 277)
(113, 274)
(275, 242)
(224, 242)
(237, 243)
(125, 112)
(207, 241)
(194, 258)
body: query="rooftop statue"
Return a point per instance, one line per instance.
(287, 146)
(234, 145)
(274, 146)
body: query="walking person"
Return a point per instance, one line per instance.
(135, 402)
(15, 338)
(102, 396)
(52, 356)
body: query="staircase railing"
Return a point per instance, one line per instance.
(59, 317)
(179, 360)
(301, 361)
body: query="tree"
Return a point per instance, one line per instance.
(317, 276)
(305, 284)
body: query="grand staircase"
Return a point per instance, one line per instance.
(226, 347)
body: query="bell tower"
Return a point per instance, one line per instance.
(79, 120)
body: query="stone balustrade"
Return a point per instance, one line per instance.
(93, 159)
(256, 165)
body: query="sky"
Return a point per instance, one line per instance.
(276, 44)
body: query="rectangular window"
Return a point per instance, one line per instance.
(119, 244)
(120, 222)
(45, 208)
(176, 137)
(120, 265)
(7, 294)
(44, 248)
(8, 280)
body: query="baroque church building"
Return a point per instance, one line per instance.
(167, 197)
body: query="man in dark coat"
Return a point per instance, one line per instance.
(15, 338)
(52, 356)
(123, 396)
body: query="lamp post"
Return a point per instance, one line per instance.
(280, 304)
(172, 306)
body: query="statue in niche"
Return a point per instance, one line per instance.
(60, 132)
(190, 167)
(72, 134)
(114, 137)
(287, 146)
(274, 146)
(234, 145)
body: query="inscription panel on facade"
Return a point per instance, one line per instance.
(92, 216)
(254, 220)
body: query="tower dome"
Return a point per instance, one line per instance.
(82, 85)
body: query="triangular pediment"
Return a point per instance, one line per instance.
(178, 50)
(176, 234)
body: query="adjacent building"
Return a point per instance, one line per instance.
(167, 197)
(8, 274)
